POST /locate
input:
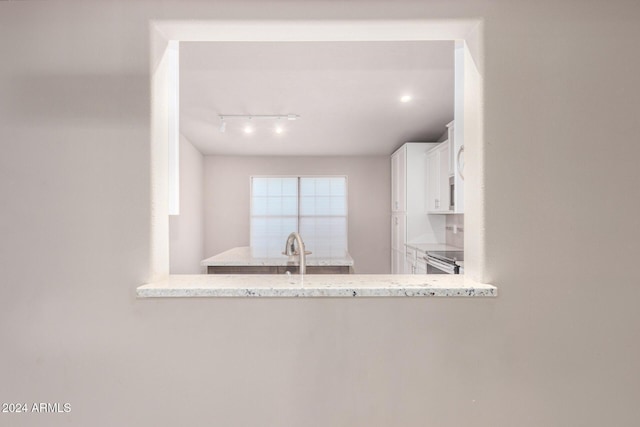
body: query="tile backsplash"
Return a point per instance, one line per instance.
(456, 239)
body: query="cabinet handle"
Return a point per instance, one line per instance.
(437, 203)
(460, 166)
(396, 205)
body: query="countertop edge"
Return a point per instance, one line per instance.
(341, 286)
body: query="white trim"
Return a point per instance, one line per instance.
(173, 58)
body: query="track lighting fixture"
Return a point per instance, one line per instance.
(248, 128)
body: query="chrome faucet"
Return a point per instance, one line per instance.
(289, 250)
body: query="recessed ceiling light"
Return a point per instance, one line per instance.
(405, 98)
(279, 129)
(248, 129)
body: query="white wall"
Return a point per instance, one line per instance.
(560, 346)
(369, 179)
(186, 231)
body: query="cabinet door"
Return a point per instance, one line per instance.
(443, 202)
(395, 166)
(398, 262)
(420, 267)
(394, 261)
(433, 180)
(394, 232)
(409, 266)
(400, 177)
(399, 180)
(410, 260)
(401, 205)
(398, 232)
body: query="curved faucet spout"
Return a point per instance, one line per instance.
(289, 250)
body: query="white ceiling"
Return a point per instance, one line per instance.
(347, 94)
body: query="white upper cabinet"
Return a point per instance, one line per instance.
(399, 180)
(438, 197)
(444, 190)
(433, 180)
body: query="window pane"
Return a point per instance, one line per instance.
(323, 186)
(259, 206)
(274, 206)
(338, 186)
(307, 186)
(274, 196)
(307, 205)
(338, 206)
(317, 196)
(268, 235)
(290, 187)
(322, 207)
(325, 237)
(290, 205)
(274, 186)
(259, 186)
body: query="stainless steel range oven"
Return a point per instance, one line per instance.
(443, 262)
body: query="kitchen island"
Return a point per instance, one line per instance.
(248, 260)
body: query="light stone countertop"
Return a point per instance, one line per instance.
(317, 285)
(245, 256)
(426, 247)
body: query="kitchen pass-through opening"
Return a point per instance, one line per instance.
(467, 112)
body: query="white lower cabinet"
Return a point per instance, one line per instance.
(400, 263)
(397, 262)
(420, 267)
(414, 262)
(409, 260)
(398, 231)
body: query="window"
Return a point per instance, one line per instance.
(314, 206)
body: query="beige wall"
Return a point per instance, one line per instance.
(186, 231)
(226, 203)
(558, 347)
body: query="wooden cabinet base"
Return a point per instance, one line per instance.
(271, 269)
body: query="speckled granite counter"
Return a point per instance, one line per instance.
(247, 256)
(355, 285)
(427, 247)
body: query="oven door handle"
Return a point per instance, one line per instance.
(440, 265)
